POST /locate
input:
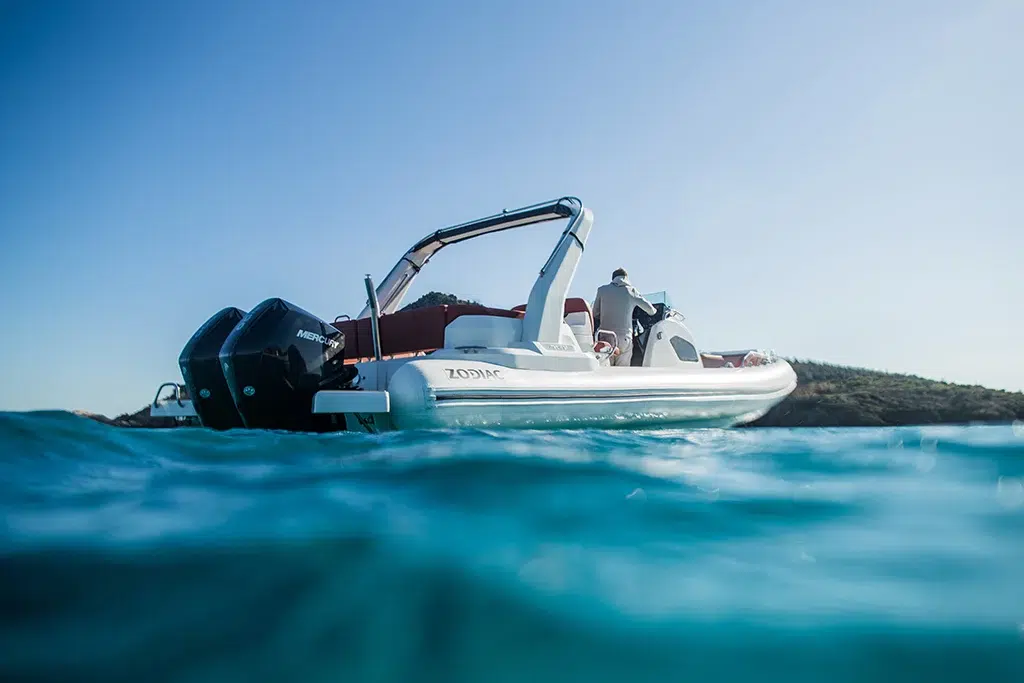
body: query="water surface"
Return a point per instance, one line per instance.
(707, 555)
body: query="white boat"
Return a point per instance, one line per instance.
(538, 365)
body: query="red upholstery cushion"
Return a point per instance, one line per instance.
(349, 328)
(418, 329)
(578, 305)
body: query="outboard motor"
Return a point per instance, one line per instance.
(276, 359)
(200, 368)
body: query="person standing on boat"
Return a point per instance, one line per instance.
(613, 311)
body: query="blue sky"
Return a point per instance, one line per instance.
(839, 181)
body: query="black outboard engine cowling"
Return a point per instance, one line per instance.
(200, 368)
(276, 359)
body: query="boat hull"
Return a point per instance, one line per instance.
(429, 394)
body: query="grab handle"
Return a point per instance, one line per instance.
(371, 293)
(177, 392)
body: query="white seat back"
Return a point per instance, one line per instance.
(582, 328)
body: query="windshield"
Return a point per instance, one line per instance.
(659, 298)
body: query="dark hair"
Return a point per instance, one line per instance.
(619, 272)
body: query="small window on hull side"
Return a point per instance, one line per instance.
(684, 350)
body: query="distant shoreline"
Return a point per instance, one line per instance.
(830, 395)
(826, 396)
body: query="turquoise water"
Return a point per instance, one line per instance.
(710, 555)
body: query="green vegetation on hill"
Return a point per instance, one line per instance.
(837, 396)
(437, 299)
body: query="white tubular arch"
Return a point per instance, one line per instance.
(547, 298)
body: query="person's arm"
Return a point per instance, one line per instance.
(595, 311)
(643, 303)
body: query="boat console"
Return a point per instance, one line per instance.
(642, 324)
